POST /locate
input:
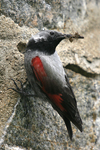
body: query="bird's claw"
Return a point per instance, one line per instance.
(21, 90)
(17, 89)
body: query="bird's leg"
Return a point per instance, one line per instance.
(21, 90)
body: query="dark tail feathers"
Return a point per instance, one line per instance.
(69, 128)
(77, 121)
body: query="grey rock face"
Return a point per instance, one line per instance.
(51, 14)
(36, 125)
(31, 123)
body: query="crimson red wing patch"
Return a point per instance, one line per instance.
(41, 76)
(38, 68)
(57, 100)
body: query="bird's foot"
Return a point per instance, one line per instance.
(21, 90)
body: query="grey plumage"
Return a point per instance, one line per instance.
(45, 71)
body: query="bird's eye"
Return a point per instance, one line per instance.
(52, 33)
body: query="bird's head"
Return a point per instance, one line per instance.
(45, 40)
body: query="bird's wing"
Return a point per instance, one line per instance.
(62, 98)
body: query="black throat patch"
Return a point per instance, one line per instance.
(42, 46)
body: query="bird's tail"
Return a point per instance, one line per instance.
(69, 128)
(77, 121)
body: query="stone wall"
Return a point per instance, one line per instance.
(31, 123)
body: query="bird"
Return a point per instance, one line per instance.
(46, 75)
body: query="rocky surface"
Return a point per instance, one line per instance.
(31, 123)
(52, 14)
